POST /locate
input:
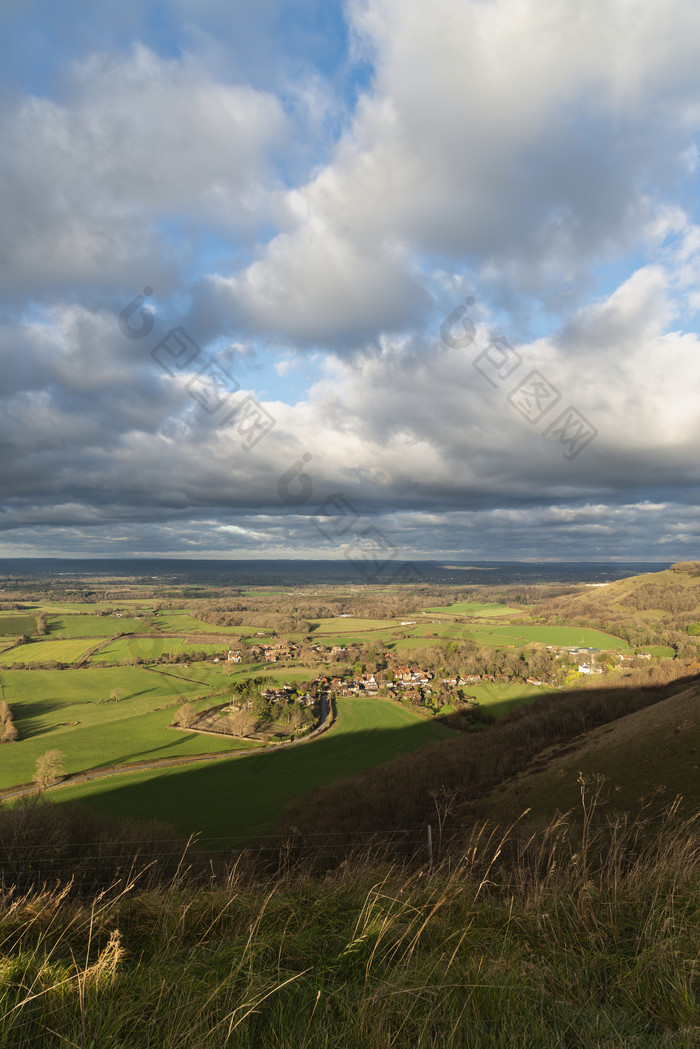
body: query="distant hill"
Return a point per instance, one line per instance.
(656, 746)
(675, 590)
(655, 609)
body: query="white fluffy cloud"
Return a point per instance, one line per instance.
(88, 181)
(525, 141)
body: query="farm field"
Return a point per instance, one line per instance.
(17, 624)
(555, 635)
(69, 651)
(58, 687)
(62, 709)
(126, 648)
(125, 738)
(184, 623)
(91, 607)
(502, 635)
(72, 710)
(477, 608)
(500, 697)
(67, 626)
(245, 798)
(350, 625)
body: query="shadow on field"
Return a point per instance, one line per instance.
(245, 796)
(145, 755)
(27, 716)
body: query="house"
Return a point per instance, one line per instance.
(273, 653)
(411, 675)
(233, 657)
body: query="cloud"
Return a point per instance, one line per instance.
(537, 157)
(89, 183)
(95, 433)
(523, 143)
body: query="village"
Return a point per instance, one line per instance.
(413, 679)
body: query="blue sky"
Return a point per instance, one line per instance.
(310, 189)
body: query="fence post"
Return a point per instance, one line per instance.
(430, 847)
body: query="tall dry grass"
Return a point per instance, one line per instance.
(580, 933)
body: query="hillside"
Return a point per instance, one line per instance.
(658, 746)
(652, 609)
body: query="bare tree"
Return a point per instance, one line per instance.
(49, 768)
(10, 733)
(185, 715)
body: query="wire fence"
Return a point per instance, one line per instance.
(90, 865)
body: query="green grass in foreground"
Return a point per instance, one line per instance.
(245, 798)
(561, 949)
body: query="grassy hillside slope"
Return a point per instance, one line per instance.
(655, 747)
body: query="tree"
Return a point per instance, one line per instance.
(185, 715)
(10, 733)
(116, 694)
(4, 712)
(49, 768)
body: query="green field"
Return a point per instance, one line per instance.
(184, 623)
(351, 625)
(17, 624)
(246, 797)
(126, 648)
(94, 626)
(127, 738)
(92, 607)
(45, 705)
(60, 687)
(500, 697)
(45, 651)
(479, 608)
(501, 636)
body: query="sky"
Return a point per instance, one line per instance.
(306, 279)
